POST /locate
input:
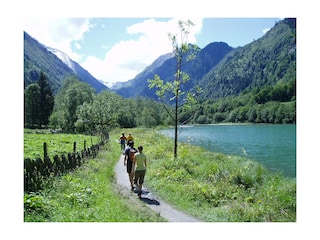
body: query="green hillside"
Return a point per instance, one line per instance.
(269, 60)
(255, 83)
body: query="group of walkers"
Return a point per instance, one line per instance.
(135, 161)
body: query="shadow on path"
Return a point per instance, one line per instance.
(163, 209)
(149, 201)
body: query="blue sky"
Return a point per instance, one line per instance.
(117, 49)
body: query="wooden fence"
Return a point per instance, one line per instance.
(38, 171)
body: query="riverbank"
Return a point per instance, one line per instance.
(272, 145)
(215, 187)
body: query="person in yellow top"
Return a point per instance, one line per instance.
(140, 166)
(129, 138)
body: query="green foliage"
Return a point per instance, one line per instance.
(268, 104)
(216, 187)
(86, 195)
(100, 114)
(35, 203)
(38, 103)
(72, 94)
(211, 186)
(78, 108)
(46, 100)
(174, 89)
(32, 105)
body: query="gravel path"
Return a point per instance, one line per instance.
(154, 202)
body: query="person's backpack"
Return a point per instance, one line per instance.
(132, 153)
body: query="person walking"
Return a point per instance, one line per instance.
(140, 166)
(122, 141)
(128, 161)
(129, 138)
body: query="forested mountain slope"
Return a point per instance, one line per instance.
(39, 58)
(255, 83)
(267, 61)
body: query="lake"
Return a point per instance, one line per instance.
(273, 145)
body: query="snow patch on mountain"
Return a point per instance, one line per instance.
(63, 57)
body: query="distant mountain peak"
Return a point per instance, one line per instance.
(165, 67)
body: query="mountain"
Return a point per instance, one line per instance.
(55, 64)
(218, 69)
(146, 72)
(78, 70)
(267, 61)
(221, 70)
(165, 67)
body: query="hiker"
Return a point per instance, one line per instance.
(140, 165)
(122, 141)
(128, 161)
(129, 138)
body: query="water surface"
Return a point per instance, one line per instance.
(272, 145)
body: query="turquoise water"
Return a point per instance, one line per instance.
(272, 145)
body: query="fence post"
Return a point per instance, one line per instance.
(74, 147)
(45, 150)
(84, 145)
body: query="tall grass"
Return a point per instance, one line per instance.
(213, 186)
(88, 194)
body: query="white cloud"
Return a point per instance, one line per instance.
(128, 58)
(122, 61)
(58, 33)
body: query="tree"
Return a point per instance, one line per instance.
(183, 52)
(72, 94)
(100, 114)
(32, 105)
(39, 102)
(46, 100)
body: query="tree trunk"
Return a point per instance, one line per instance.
(177, 102)
(176, 128)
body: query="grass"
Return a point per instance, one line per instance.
(213, 186)
(86, 195)
(210, 186)
(57, 144)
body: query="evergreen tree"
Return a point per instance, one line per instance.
(32, 105)
(46, 100)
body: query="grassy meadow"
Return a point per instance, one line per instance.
(57, 144)
(210, 186)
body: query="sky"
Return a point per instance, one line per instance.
(117, 49)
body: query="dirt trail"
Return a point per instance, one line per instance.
(154, 202)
